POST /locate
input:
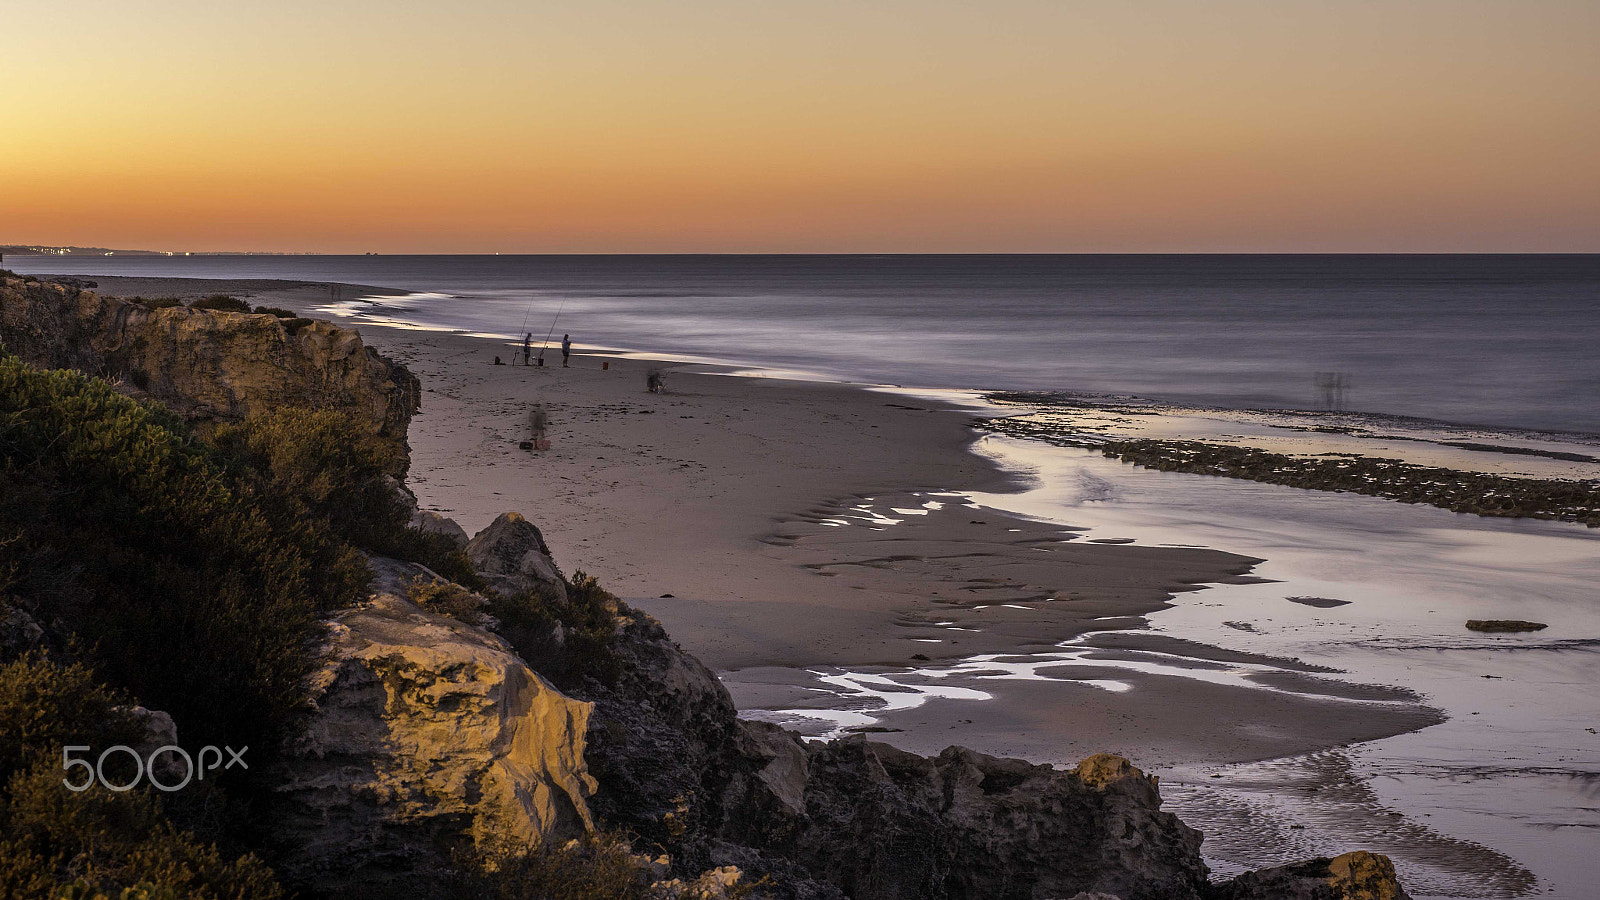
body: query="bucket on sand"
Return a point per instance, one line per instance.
(605, 365)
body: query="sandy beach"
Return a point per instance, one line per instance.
(788, 531)
(860, 559)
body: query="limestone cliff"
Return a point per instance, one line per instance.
(427, 734)
(207, 364)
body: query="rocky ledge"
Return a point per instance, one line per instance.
(206, 364)
(425, 731)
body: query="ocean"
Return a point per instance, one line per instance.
(1505, 342)
(1498, 801)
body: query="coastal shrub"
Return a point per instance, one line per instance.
(278, 311)
(595, 867)
(45, 706)
(294, 325)
(337, 469)
(445, 598)
(221, 303)
(160, 302)
(568, 641)
(436, 551)
(336, 465)
(59, 843)
(184, 583)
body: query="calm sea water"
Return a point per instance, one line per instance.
(1505, 341)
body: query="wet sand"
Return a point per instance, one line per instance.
(781, 529)
(841, 557)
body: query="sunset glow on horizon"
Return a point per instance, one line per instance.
(818, 127)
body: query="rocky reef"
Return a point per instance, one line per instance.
(1483, 494)
(203, 363)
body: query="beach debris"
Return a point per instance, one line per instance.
(1318, 602)
(655, 381)
(1495, 626)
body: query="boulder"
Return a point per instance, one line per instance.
(427, 735)
(19, 633)
(160, 731)
(1353, 876)
(513, 558)
(884, 823)
(430, 522)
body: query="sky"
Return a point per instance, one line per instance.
(350, 126)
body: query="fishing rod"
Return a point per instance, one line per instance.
(552, 331)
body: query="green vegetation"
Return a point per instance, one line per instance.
(190, 575)
(45, 706)
(567, 641)
(330, 467)
(221, 303)
(276, 311)
(445, 598)
(59, 844)
(293, 325)
(596, 867)
(180, 579)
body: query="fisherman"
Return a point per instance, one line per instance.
(527, 347)
(566, 349)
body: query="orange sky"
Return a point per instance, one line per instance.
(862, 126)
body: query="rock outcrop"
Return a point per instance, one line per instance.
(427, 735)
(430, 522)
(513, 558)
(207, 364)
(1352, 876)
(880, 822)
(861, 819)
